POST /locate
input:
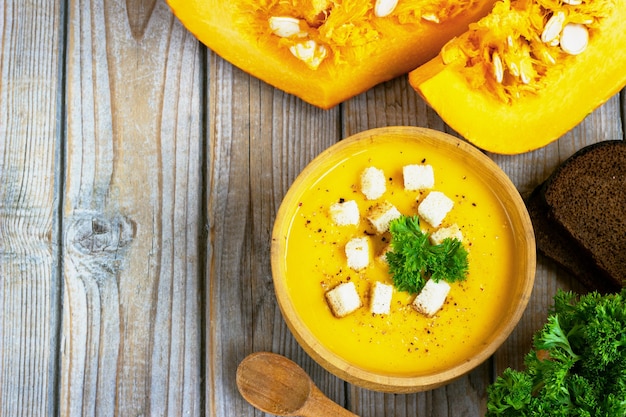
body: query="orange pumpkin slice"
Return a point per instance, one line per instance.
(326, 51)
(528, 72)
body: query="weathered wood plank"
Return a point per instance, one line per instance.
(30, 67)
(134, 278)
(393, 103)
(132, 213)
(260, 139)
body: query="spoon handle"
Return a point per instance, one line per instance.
(318, 405)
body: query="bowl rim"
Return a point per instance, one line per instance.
(524, 240)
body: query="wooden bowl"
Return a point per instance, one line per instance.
(403, 352)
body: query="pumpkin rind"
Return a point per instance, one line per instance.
(572, 89)
(377, 49)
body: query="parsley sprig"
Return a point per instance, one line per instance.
(413, 259)
(577, 366)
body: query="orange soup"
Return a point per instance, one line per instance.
(403, 342)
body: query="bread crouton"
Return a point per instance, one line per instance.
(452, 232)
(435, 207)
(380, 298)
(418, 177)
(381, 215)
(345, 213)
(382, 255)
(343, 299)
(432, 297)
(373, 183)
(357, 252)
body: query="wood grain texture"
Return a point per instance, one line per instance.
(30, 57)
(260, 139)
(140, 175)
(131, 317)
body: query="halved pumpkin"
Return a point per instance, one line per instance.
(528, 72)
(326, 51)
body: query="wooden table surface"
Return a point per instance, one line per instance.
(139, 179)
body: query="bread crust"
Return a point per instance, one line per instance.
(579, 214)
(555, 243)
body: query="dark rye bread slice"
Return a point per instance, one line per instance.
(555, 243)
(586, 199)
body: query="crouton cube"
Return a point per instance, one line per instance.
(435, 207)
(382, 256)
(380, 298)
(357, 252)
(381, 215)
(452, 232)
(418, 177)
(345, 213)
(432, 297)
(373, 183)
(343, 299)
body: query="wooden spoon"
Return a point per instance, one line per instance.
(276, 385)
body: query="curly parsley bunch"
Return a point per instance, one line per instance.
(577, 366)
(413, 259)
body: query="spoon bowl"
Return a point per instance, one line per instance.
(276, 385)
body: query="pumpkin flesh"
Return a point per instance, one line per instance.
(505, 90)
(360, 48)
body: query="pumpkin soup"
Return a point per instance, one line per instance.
(402, 342)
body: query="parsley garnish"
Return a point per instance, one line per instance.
(577, 366)
(413, 259)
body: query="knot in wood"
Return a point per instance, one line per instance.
(95, 234)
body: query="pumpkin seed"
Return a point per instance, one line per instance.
(309, 52)
(285, 26)
(514, 68)
(526, 71)
(553, 27)
(498, 68)
(431, 17)
(546, 57)
(384, 8)
(574, 38)
(555, 42)
(451, 52)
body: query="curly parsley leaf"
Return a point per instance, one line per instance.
(510, 393)
(413, 259)
(577, 366)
